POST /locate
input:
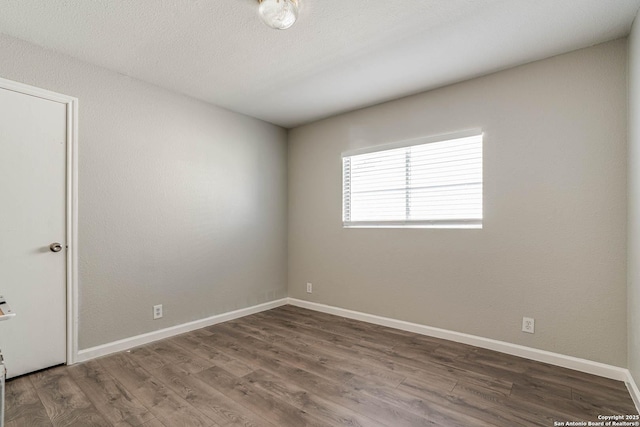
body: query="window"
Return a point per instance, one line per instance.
(430, 182)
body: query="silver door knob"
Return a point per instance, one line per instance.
(55, 247)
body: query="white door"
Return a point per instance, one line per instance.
(32, 217)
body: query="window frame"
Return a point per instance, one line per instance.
(441, 224)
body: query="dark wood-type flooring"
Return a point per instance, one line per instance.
(294, 367)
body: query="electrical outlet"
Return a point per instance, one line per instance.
(528, 325)
(157, 311)
(309, 288)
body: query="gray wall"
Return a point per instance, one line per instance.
(633, 237)
(553, 244)
(181, 203)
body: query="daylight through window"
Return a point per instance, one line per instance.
(433, 184)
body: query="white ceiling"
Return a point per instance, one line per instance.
(339, 56)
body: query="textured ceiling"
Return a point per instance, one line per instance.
(339, 56)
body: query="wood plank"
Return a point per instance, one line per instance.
(125, 370)
(109, 397)
(277, 411)
(604, 403)
(293, 329)
(172, 353)
(533, 388)
(395, 360)
(325, 356)
(211, 402)
(391, 359)
(163, 403)
(209, 357)
(378, 331)
(292, 357)
(420, 371)
(362, 331)
(346, 393)
(64, 401)
(323, 409)
(336, 392)
(385, 366)
(151, 423)
(22, 402)
(29, 421)
(439, 406)
(575, 379)
(144, 356)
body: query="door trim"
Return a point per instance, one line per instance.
(71, 104)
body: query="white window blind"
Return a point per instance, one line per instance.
(437, 184)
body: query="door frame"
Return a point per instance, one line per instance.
(71, 204)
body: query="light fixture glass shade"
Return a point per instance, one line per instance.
(279, 14)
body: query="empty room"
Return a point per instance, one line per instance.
(289, 213)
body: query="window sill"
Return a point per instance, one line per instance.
(444, 225)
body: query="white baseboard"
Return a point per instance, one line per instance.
(127, 343)
(633, 390)
(583, 365)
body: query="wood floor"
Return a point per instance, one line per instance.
(295, 367)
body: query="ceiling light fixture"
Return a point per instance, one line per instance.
(278, 14)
